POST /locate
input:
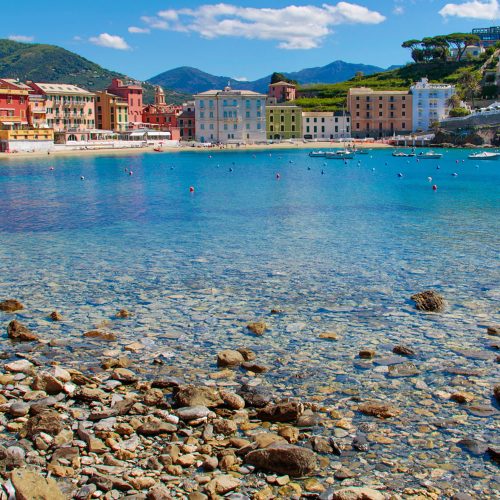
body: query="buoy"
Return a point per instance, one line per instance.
(322, 172)
(400, 174)
(131, 173)
(456, 161)
(434, 187)
(171, 168)
(82, 178)
(230, 169)
(429, 179)
(373, 169)
(278, 176)
(454, 174)
(438, 167)
(386, 164)
(308, 168)
(290, 161)
(51, 168)
(210, 156)
(191, 189)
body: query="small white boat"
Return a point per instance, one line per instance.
(429, 155)
(317, 154)
(362, 151)
(402, 154)
(485, 155)
(342, 154)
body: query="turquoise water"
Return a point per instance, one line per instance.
(340, 251)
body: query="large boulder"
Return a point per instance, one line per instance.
(229, 358)
(49, 422)
(281, 412)
(428, 301)
(17, 331)
(255, 397)
(284, 459)
(190, 395)
(30, 485)
(11, 305)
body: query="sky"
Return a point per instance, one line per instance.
(241, 39)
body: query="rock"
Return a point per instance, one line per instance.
(428, 301)
(224, 426)
(17, 331)
(19, 409)
(254, 367)
(493, 330)
(191, 395)
(403, 351)
(403, 370)
(248, 354)
(14, 457)
(281, 412)
(30, 485)
(20, 366)
(100, 335)
(231, 400)
(55, 316)
(329, 336)
(11, 305)
(494, 453)
(44, 381)
(265, 439)
(496, 393)
(357, 493)
(189, 413)
(154, 427)
(284, 459)
(462, 397)
(321, 445)
(124, 376)
(379, 409)
(223, 484)
(291, 434)
(121, 362)
(123, 314)
(229, 358)
(49, 422)
(367, 354)
(210, 464)
(159, 492)
(343, 473)
(256, 397)
(473, 446)
(259, 327)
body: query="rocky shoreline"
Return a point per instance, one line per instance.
(125, 431)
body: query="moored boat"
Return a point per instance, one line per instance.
(317, 154)
(402, 154)
(342, 154)
(429, 155)
(484, 155)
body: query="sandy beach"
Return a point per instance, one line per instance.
(188, 148)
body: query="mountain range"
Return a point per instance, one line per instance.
(192, 80)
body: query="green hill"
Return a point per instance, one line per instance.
(332, 97)
(49, 63)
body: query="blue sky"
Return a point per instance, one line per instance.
(244, 39)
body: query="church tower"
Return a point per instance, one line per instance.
(159, 96)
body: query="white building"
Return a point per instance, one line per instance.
(430, 103)
(326, 125)
(230, 116)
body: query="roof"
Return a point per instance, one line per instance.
(62, 88)
(282, 84)
(367, 90)
(17, 83)
(230, 92)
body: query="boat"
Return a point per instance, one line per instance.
(362, 151)
(341, 154)
(429, 155)
(317, 154)
(485, 155)
(402, 154)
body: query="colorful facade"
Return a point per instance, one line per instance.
(69, 109)
(326, 125)
(282, 91)
(379, 113)
(162, 116)
(13, 105)
(111, 112)
(230, 116)
(283, 122)
(132, 93)
(26, 140)
(187, 119)
(430, 103)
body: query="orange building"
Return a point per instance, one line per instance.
(13, 104)
(379, 113)
(111, 112)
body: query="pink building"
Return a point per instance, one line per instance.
(282, 91)
(132, 93)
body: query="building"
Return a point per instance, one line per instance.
(69, 109)
(26, 140)
(283, 122)
(379, 113)
(111, 112)
(187, 118)
(230, 116)
(162, 116)
(326, 125)
(282, 91)
(471, 52)
(13, 105)
(489, 36)
(430, 103)
(132, 93)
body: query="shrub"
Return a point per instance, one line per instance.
(459, 112)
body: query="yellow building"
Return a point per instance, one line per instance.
(111, 112)
(26, 140)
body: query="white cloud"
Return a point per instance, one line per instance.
(139, 31)
(294, 27)
(21, 38)
(241, 78)
(110, 41)
(398, 10)
(475, 9)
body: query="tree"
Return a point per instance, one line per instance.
(359, 75)
(280, 77)
(470, 86)
(453, 102)
(413, 44)
(461, 41)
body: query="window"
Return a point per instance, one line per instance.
(202, 126)
(403, 125)
(247, 114)
(225, 126)
(235, 126)
(336, 119)
(202, 114)
(336, 128)
(248, 126)
(211, 127)
(307, 121)
(202, 104)
(258, 126)
(211, 114)
(247, 103)
(380, 113)
(307, 129)
(258, 114)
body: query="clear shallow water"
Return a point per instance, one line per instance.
(337, 252)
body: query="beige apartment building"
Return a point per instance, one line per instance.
(379, 113)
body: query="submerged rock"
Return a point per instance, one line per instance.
(428, 301)
(403, 350)
(100, 335)
(191, 395)
(258, 327)
(229, 358)
(357, 493)
(281, 412)
(379, 409)
(256, 397)
(55, 316)
(17, 331)
(11, 305)
(284, 459)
